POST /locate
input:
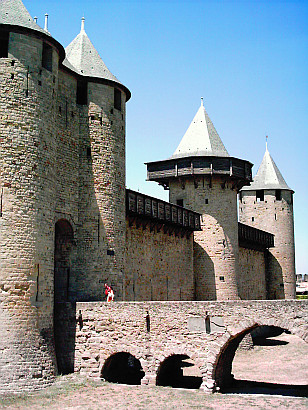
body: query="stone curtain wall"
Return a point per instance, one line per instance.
(252, 275)
(177, 328)
(159, 266)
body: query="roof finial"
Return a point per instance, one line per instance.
(46, 23)
(201, 101)
(266, 143)
(35, 20)
(82, 23)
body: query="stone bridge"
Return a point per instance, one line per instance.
(151, 333)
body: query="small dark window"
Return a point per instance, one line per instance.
(206, 201)
(82, 92)
(4, 44)
(275, 217)
(222, 278)
(253, 218)
(180, 202)
(117, 99)
(12, 63)
(241, 196)
(278, 194)
(47, 57)
(260, 195)
(12, 76)
(89, 152)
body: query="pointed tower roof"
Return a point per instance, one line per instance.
(201, 138)
(14, 13)
(268, 176)
(84, 57)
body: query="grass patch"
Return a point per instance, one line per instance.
(301, 297)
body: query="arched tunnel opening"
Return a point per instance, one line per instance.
(123, 368)
(179, 371)
(275, 365)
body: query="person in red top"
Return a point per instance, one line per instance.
(109, 293)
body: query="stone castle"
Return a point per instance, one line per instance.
(68, 224)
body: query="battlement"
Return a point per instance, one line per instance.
(144, 209)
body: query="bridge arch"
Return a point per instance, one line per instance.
(172, 372)
(222, 366)
(122, 368)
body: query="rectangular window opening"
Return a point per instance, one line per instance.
(4, 44)
(117, 99)
(253, 218)
(278, 194)
(47, 57)
(222, 278)
(82, 93)
(180, 202)
(260, 195)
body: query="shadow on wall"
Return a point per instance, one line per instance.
(205, 285)
(64, 334)
(122, 368)
(64, 312)
(274, 278)
(179, 371)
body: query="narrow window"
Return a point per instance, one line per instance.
(241, 196)
(278, 194)
(206, 201)
(222, 278)
(275, 217)
(260, 195)
(180, 202)
(117, 99)
(82, 93)
(253, 219)
(47, 57)
(4, 44)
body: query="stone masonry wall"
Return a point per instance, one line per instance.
(216, 254)
(252, 274)
(27, 164)
(276, 217)
(176, 328)
(102, 193)
(158, 266)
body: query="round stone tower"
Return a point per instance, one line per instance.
(201, 176)
(101, 99)
(267, 204)
(29, 59)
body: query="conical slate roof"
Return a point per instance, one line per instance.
(84, 57)
(14, 13)
(268, 176)
(201, 138)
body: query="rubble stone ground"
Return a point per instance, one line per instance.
(281, 360)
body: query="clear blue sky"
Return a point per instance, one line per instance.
(248, 59)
